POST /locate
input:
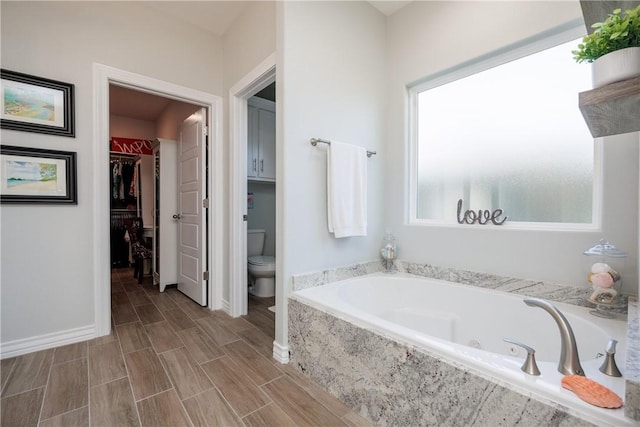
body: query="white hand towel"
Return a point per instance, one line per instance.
(346, 190)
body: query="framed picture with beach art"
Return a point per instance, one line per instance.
(35, 104)
(32, 175)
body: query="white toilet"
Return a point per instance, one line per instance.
(262, 269)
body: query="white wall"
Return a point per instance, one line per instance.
(332, 61)
(47, 251)
(246, 44)
(422, 40)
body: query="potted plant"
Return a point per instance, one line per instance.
(613, 47)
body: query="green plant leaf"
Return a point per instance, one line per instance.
(617, 31)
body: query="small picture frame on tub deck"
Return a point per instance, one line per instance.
(35, 104)
(33, 175)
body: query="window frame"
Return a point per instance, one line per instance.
(529, 46)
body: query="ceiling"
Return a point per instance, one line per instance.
(214, 17)
(136, 105)
(217, 16)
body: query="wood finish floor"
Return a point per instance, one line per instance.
(168, 362)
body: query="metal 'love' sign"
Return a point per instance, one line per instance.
(480, 216)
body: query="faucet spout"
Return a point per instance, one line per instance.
(569, 363)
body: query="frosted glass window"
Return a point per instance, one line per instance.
(510, 137)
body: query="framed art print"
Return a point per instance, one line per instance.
(35, 104)
(32, 175)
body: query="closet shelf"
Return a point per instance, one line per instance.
(612, 109)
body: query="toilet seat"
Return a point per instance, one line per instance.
(262, 261)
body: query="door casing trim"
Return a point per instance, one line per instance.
(257, 79)
(103, 76)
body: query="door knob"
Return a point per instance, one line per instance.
(177, 216)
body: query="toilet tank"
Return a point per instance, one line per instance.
(255, 242)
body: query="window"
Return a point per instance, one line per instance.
(508, 137)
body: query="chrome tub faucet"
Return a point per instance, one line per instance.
(569, 363)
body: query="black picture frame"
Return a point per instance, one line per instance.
(36, 104)
(55, 183)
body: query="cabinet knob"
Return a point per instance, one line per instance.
(177, 216)
(261, 165)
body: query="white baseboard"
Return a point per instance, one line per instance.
(281, 353)
(46, 341)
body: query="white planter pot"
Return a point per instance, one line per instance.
(616, 66)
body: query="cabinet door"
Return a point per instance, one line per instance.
(267, 146)
(252, 142)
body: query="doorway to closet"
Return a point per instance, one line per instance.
(152, 139)
(103, 77)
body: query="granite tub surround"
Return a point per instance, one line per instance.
(632, 371)
(576, 295)
(395, 384)
(319, 278)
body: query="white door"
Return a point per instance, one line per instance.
(191, 215)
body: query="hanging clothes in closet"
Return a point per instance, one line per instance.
(123, 205)
(123, 182)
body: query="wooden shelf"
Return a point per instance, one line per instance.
(612, 109)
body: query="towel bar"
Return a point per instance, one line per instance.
(314, 142)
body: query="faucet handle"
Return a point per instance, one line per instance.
(529, 366)
(609, 366)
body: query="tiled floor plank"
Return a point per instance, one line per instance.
(243, 396)
(67, 389)
(161, 300)
(29, 371)
(123, 313)
(303, 409)
(185, 373)
(6, 368)
(178, 319)
(138, 297)
(162, 337)
(70, 352)
(259, 369)
(257, 339)
(314, 390)
(210, 409)
(133, 337)
(163, 409)
(22, 409)
(148, 314)
(106, 363)
(217, 332)
(112, 404)
(270, 415)
(200, 345)
(146, 373)
(233, 324)
(76, 418)
(194, 311)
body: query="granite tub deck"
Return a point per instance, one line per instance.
(395, 384)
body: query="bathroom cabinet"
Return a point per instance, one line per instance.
(261, 137)
(612, 109)
(165, 206)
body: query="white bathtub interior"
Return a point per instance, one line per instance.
(466, 325)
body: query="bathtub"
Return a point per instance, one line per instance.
(465, 326)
